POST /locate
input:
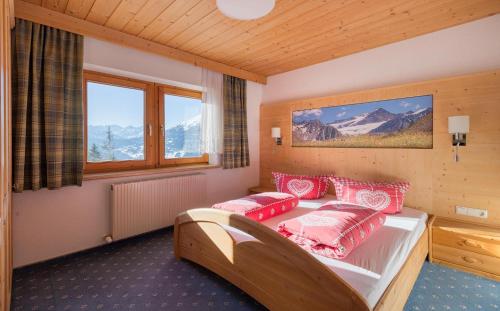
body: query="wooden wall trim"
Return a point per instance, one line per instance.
(438, 183)
(12, 14)
(66, 22)
(5, 157)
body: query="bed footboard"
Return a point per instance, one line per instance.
(274, 271)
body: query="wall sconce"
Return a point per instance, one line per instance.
(276, 134)
(458, 126)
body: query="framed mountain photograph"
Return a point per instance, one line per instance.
(392, 123)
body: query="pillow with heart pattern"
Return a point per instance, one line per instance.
(261, 206)
(381, 196)
(304, 187)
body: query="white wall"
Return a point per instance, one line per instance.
(51, 223)
(107, 57)
(468, 48)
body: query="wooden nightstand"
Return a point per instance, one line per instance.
(259, 189)
(466, 246)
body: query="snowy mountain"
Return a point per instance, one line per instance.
(379, 121)
(127, 143)
(363, 123)
(402, 121)
(314, 130)
(183, 140)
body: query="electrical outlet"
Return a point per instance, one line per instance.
(472, 212)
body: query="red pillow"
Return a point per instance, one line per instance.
(261, 206)
(333, 230)
(304, 187)
(387, 197)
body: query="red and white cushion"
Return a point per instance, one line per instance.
(387, 197)
(261, 206)
(304, 187)
(333, 230)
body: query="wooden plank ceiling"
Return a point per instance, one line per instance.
(295, 34)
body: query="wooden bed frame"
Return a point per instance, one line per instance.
(277, 272)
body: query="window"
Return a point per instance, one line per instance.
(115, 126)
(133, 124)
(180, 126)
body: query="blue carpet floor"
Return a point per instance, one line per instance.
(439, 288)
(142, 274)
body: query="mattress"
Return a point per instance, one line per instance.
(372, 266)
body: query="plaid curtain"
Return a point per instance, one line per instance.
(235, 123)
(47, 77)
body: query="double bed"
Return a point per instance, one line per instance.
(378, 275)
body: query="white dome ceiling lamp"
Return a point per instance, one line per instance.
(245, 9)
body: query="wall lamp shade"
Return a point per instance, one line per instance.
(245, 9)
(276, 134)
(458, 126)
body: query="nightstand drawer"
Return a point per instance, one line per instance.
(468, 242)
(468, 259)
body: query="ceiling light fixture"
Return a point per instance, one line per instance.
(245, 9)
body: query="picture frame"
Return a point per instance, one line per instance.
(390, 123)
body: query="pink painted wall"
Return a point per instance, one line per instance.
(48, 224)
(468, 48)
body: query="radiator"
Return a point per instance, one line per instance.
(147, 205)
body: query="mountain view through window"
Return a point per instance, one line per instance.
(182, 127)
(115, 123)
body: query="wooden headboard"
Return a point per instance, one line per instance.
(438, 183)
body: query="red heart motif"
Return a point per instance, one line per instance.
(377, 200)
(300, 187)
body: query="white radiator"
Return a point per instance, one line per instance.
(147, 205)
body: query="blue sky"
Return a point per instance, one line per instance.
(112, 105)
(331, 114)
(179, 109)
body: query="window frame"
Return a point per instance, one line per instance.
(163, 90)
(149, 154)
(154, 138)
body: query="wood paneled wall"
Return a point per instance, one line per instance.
(6, 22)
(438, 183)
